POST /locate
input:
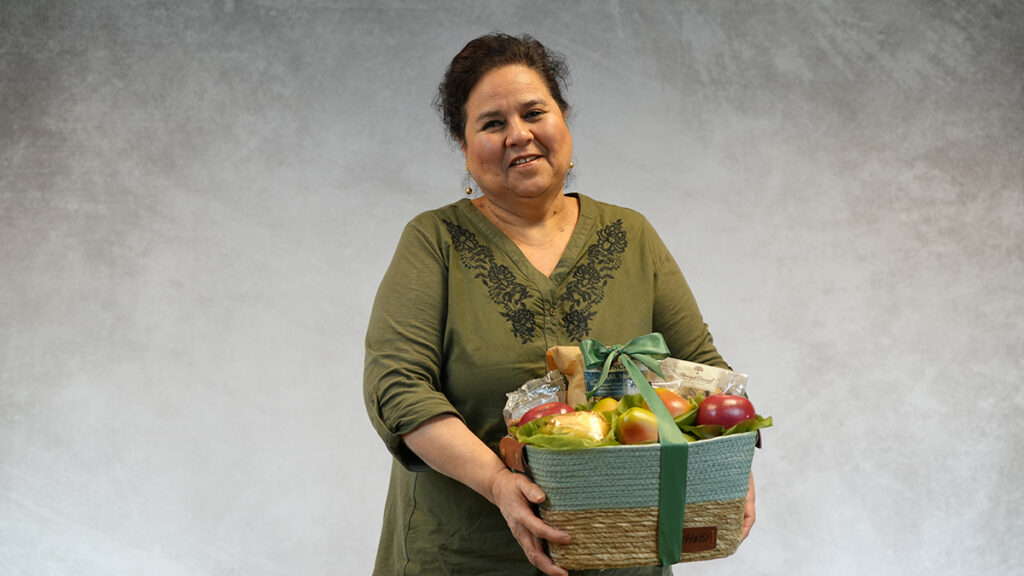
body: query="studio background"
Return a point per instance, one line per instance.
(198, 199)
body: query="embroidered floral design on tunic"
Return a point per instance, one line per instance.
(501, 283)
(586, 289)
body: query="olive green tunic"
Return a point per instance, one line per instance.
(461, 318)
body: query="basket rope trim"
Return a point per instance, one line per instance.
(620, 477)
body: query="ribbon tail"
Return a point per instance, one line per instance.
(674, 454)
(604, 374)
(652, 364)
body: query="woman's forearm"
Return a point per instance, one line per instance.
(449, 447)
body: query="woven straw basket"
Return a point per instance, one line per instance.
(607, 500)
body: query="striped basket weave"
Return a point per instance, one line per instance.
(607, 500)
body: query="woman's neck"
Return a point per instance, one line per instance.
(541, 233)
(536, 221)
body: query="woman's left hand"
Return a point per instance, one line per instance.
(749, 513)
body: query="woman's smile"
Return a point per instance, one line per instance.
(524, 160)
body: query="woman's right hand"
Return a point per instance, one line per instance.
(514, 495)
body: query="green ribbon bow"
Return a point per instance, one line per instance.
(649, 350)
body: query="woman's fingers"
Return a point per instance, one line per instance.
(533, 547)
(514, 494)
(534, 550)
(749, 511)
(532, 492)
(536, 526)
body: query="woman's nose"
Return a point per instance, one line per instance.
(518, 133)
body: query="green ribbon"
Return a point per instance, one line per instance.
(648, 350)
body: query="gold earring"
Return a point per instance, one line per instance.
(469, 189)
(571, 164)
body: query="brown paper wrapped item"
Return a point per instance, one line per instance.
(569, 361)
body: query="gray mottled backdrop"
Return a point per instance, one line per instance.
(197, 200)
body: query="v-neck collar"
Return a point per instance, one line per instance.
(573, 250)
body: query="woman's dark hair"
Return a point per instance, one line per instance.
(484, 54)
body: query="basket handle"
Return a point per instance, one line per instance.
(512, 453)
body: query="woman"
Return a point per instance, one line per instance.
(475, 295)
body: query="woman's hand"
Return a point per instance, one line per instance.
(513, 493)
(749, 513)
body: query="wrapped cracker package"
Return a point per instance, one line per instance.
(689, 378)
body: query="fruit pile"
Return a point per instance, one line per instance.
(629, 420)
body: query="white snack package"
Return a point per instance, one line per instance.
(686, 377)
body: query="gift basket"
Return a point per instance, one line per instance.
(677, 495)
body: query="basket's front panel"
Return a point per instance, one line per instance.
(607, 500)
(617, 538)
(604, 538)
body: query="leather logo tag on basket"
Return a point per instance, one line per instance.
(700, 538)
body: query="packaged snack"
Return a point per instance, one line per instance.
(548, 388)
(569, 361)
(689, 379)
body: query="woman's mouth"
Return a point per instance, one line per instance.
(523, 160)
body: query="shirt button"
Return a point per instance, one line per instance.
(552, 311)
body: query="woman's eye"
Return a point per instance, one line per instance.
(533, 114)
(492, 124)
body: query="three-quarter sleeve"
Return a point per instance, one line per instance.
(404, 341)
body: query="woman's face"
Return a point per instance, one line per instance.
(517, 144)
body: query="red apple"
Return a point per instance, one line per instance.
(724, 410)
(638, 426)
(545, 410)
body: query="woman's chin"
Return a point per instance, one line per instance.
(535, 188)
